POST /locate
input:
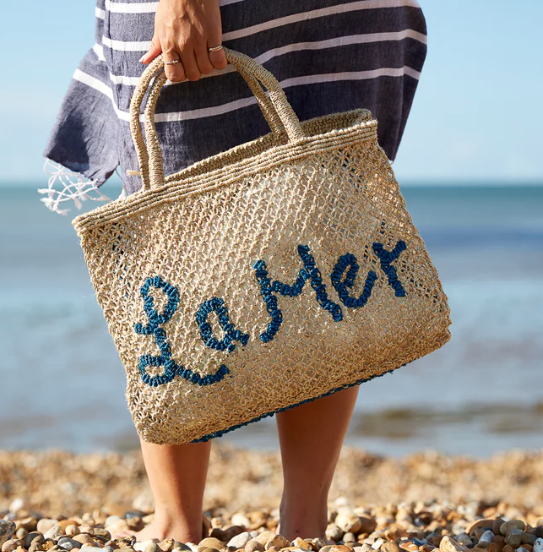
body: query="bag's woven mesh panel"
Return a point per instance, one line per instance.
(205, 239)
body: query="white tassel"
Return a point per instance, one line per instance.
(73, 187)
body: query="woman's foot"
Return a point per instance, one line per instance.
(179, 532)
(304, 531)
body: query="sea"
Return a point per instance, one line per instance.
(62, 384)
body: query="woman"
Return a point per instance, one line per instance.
(329, 56)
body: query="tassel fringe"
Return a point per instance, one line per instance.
(65, 185)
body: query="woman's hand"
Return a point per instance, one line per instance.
(184, 30)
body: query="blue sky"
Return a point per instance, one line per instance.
(477, 115)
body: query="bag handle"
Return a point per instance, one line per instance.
(275, 108)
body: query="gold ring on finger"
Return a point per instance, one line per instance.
(172, 62)
(215, 48)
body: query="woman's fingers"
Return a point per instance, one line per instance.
(190, 65)
(153, 52)
(173, 66)
(218, 59)
(184, 31)
(202, 58)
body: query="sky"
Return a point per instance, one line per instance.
(476, 118)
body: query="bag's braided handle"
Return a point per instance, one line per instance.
(135, 106)
(276, 109)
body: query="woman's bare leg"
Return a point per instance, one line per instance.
(311, 436)
(177, 475)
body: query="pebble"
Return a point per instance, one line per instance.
(167, 545)
(110, 520)
(16, 505)
(508, 526)
(120, 526)
(240, 540)
(240, 519)
(218, 533)
(298, 542)
(409, 546)
(142, 545)
(367, 524)
(277, 541)
(45, 524)
(264, 536)
(10, 545)
(233, 530)
(486, 538)
(465, 539)
(29, 538)
(54, 532)
(255, 546)
(348, 521)
(514, 537)
(480, 524)
(134, 513)
(135, 523)
(333, 532)
(211, 542)
(181, 546)
(448, 544)
(66, 522)
(7, 529)
(85, 538)
(390, 547)
(68, 543)
(100, 533)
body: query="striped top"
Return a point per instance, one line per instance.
(328, 55)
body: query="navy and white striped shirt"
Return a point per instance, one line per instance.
(328, 55)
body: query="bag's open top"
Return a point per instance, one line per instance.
(217, 170)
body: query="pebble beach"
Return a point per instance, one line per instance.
(59, 500)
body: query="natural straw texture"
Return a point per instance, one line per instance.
(279, 271)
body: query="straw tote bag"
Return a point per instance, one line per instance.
(279, 271)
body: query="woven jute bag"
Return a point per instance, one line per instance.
(279, 271)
